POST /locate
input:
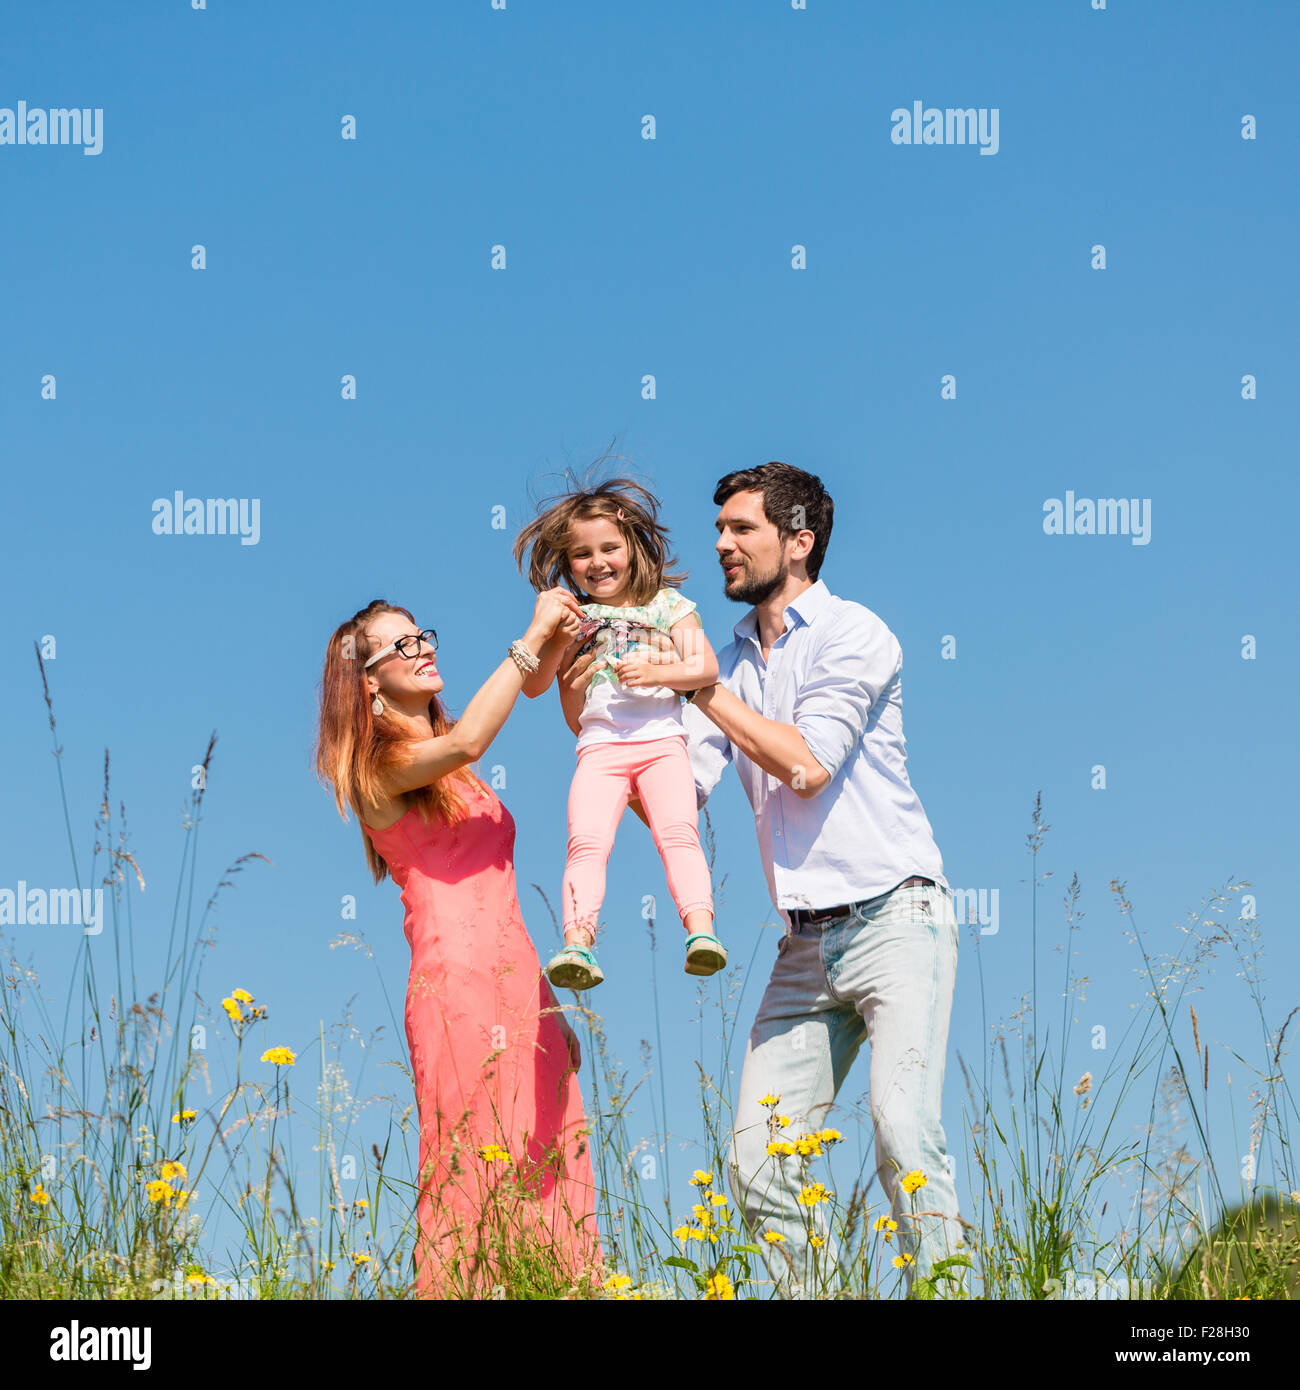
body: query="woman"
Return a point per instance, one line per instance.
(504, 1172)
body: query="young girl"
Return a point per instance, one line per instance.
(606, 544)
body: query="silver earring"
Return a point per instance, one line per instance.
(377, 705)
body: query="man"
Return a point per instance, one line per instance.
(808, 709)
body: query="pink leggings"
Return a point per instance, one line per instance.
(659, 772)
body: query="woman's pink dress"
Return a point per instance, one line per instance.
(490, 1066)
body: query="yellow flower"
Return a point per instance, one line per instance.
(719, 1288)
(40, 1196)
(360, 1204)
(808, 1144)
(327, 1265)
(182, 1198)
(232, 1009)
(694, 1233)
(618, 1281)
(774, 1237)
(717, 1199)
(770, 1100)
(280, 1056)
(916, 1178)
(885, 1223)
(159, 1191)
(359, 1258)
(782, 1147)
(242, 995)
(682, 1233)
(902, 1261)
(171, 1170)
(781, 1121)
(182, 1115)
(199, 1278)
(701, 1178)
(813, 1193)
(817, 1241)
(494, 1153)
(829, 1136)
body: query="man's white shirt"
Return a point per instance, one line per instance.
(835, 674)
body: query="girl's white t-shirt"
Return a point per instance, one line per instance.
(612, 713)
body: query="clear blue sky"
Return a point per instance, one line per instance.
(670, 257)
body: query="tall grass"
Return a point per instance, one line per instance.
(143, 1090)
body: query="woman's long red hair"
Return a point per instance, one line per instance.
(354, 745)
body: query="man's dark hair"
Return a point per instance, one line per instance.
(792, 501)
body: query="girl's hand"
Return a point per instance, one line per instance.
(638, 672)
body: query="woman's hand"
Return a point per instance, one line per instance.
(572, 1043)
(556, 611)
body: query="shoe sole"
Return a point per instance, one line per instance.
(705, 961)
(573, 976)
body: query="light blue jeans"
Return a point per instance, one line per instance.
(884, 974)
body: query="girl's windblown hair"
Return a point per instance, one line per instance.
(631, 507)
(354, 745)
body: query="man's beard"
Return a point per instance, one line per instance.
(755, 588)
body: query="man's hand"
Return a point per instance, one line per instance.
(572, 682)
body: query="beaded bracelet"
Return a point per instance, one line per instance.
(523, 658)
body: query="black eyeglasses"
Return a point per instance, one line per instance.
(407, 647)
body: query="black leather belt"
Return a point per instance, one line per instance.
(804, 916)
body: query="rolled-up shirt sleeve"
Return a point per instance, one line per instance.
(844, 680)
(709, 750)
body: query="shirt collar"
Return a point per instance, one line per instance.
(802, 609)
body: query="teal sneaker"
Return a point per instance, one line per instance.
(574, 968)
(705, 954)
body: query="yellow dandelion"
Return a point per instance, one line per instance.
(232, 1009)
(618, 1281)
(781, 1147)
(813, 1193)
(360, 1204)
(242, 995)
(808, 1144)
(774, 1237)
(885, 1223)
(915, 1179)
(172, 1169)
(770, 1101)
(359, 1257)
(327, 1265)
(182, 1198)
(902, 1261)
(682, 1233)
(279, 1056)
(719, 1288)
(829, 1136)
(159, 1191)
(816, 1241)
(717, 1199)
(701, 1178)
(40, 1196)
(782, 1121)
(199, 1278)
(695, 1233)
(181, 1116)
